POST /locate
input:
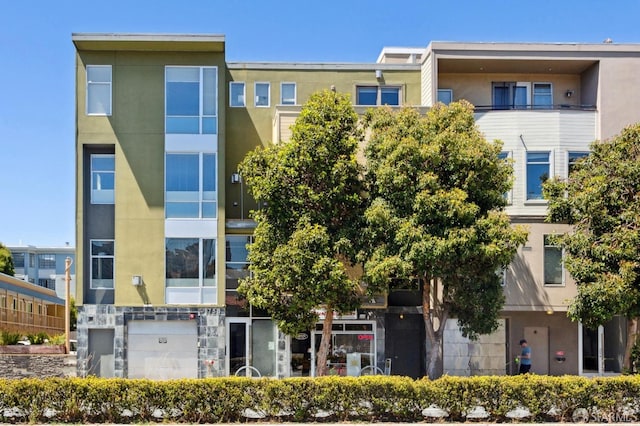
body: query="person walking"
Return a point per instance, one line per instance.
(525, 357)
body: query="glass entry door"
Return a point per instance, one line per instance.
(251, 347)
(602, 349)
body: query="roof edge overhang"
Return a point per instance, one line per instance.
(149, 42)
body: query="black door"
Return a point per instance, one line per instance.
(404, 341)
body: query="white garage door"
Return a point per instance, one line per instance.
(162, 349)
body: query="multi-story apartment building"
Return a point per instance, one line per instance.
(44, 266)
(163, 217)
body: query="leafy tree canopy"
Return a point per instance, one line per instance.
(601, 199)
(6, 261)
(307, 233)
(436, 219)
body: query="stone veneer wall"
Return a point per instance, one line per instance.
(210, 322)
(464, 357)
(14, 366)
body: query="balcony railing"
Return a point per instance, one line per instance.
(28, 322)
(481, 108)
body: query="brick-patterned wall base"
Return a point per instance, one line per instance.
(30, 366)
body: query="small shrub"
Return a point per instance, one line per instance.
(10, 337)
(38, 338)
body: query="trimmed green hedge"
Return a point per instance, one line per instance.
(368, 398)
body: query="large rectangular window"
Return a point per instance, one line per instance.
(263, 93)
(49, 283)
(47, 261)
(510, 95)
(18, 260)
(103, 167)
(98, 89)
(377, 95)
(445, 96)
(190, 270)
(102, 264)
(287, 93)
(538, 167)
(192, 100)
(552, 262)
(237, 94)
(504, 156)
(191, 186)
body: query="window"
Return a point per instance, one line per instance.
(98, 89)
(32, 260)
(47, 283)
(190, 270)
(47, 261)
(445, 96)
(542, 96)
(510, 95)
(191, 186)
(236, 94)
(191, 100)
(504, 155)
(552, 262)
(287, 93)
(102, 263)
(18, 260)
(237, 264)
(377, 95)
(573, 158)
(262, 94)
(103, 168)
(538, 166)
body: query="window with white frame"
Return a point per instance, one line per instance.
(504, 156)
(542, 96)
(237, 94)
(445, 96)
(287, 93)
(191, 98)
(538, 168)
(262, 94)
(572, 160)
(18, 260)
(99, 89)
(378, 95)
(103, 167)
(47, 261)
(553, 270)
(190, 185)
(102, 264)
(190, 270)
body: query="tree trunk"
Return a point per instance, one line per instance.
(433, 340)
(632, 330)
(325, 343)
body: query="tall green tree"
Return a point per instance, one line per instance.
(436, 219)
(601, 199)
(306, 236)
(6, 261)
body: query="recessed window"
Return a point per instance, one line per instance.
(102, 263)
(99, 89)
(103, 168)
(552, 262)
(190, 270)
(542, 96)
(377, 95)
(237, 94)
(18, 260)
(191, 186)
(262, 91)
(47, 261)
(47, 283)
(538, 167)
(573, 158)
(445, 96)
(287, 93)
(191, 100)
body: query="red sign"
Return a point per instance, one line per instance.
(365, 336)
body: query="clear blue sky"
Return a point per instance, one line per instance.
(37, 57)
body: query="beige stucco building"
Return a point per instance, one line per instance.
(163, 216)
